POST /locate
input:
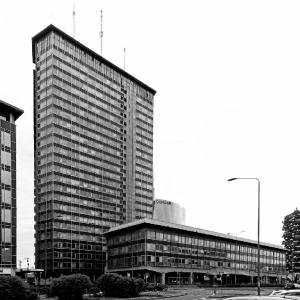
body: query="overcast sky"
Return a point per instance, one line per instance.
(227, 76)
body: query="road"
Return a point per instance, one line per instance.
(208, 293)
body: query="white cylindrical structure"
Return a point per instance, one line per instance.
(168, 211)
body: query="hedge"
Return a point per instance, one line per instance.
(70, 287)
(15, 288)
(114, 285)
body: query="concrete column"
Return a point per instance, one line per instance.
(267, 279)
(163, 278)
(191, 279)
(11, 118)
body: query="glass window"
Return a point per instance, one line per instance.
(151, 234)
(200, 242)
(6, 235)
(5, 139)
(167, 237)
(5, 177)
(6, 255)
(5, 158)
(159, 236)
(6, 196)
(6, 215)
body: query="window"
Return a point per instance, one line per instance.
(6, 196)
(6, 215)
(6, 235)
(6, 255)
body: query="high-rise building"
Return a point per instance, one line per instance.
(8, 202)
(93, 137)
(291, 241)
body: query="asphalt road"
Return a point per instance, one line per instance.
(221, 293)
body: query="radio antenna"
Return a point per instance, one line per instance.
(124, 58)
(101, 31)
(74, 32)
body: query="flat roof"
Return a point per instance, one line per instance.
(52, 28)
(17, 112)
(188, 229)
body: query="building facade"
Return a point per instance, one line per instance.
(93, 134)
(291, 241)
(169, 253)
(8, 197)
(168, 211)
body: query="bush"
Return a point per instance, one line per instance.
(15, 288)
(114, 285)
(126, 287)
(70, 287)
(156, 287)
(31, 294)
(139, 285)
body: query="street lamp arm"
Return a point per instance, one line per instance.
(247, 178)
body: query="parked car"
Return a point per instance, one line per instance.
(260, 297)
(290, 285)
(280, 293)
(275, 292)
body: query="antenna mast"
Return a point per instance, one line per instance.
(101, 31)
(74, 21)
(124, 58)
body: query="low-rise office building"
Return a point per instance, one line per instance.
(171, 253)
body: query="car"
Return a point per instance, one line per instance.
(260, 297)
(275, 292)
(280, 293)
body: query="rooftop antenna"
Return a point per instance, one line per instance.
(124, 58)
(101, 31)
(73, 20)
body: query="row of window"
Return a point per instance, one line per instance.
(98, 185)
(61, 188)
(79, 201)
(175, 240)
(83, 173)
(81, 219)
(174, 261)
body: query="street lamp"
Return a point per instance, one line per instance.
(235, 254)
(258, 226)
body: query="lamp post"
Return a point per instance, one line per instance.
(258, 226)
(235, 235)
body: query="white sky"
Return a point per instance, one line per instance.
(227, 77)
